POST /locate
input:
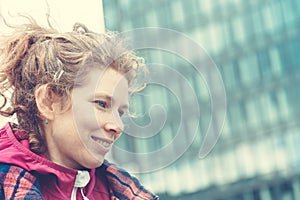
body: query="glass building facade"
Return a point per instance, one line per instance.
(255, 46)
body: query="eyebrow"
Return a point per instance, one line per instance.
(111, 99)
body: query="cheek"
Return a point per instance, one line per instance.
(86, 124)
(85, 118)
(84, 129)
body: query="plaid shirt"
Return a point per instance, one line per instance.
(16, 183)
(125, 187)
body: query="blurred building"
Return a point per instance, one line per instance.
(256, 47)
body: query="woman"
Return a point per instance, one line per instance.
(69, 92)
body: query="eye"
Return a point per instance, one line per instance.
(121, 113)
(102, 104)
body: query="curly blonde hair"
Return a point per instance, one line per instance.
(34, 56)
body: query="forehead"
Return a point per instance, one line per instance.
(107, 81)
(110, 79)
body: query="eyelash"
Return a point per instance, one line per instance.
(121, 113)
(105, 105)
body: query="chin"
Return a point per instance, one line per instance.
(94, 164)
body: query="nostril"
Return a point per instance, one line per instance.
(112, 131)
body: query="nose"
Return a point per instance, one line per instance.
(114, 129)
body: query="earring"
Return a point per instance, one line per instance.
(46, 122)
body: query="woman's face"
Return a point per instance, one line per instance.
(82, 135)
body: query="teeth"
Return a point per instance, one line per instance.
(105, 144)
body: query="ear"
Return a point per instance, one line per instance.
(44, 98)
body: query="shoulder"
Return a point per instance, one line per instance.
(17, 182)
(123, 185)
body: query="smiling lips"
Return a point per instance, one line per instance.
(103, 142)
